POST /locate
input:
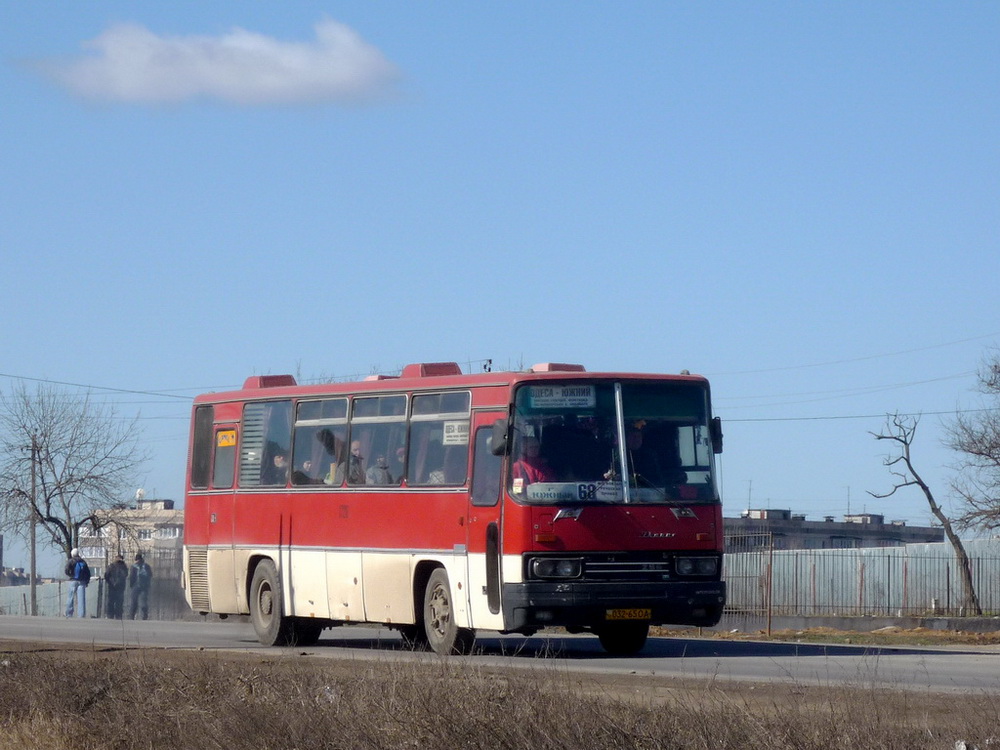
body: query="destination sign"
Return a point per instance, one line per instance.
(562, 396)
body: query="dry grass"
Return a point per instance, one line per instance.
(77, 699)
(888, 636)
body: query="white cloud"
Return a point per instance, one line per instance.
(129, 63)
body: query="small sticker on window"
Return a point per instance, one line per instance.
(456, 433)
(225, 438)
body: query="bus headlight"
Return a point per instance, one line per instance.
(697, 566)
(556, 567)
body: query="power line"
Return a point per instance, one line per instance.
(857, 416)
(859, 359)
(844, 392)
(170, 392)
(94, 387)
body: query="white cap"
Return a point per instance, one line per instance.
(74, 552)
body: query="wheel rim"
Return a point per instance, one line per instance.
(439, 610)
(265, 604)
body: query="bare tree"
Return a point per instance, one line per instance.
(975, 435)
(902, 430)
(64, 461)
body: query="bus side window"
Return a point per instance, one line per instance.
(438, 451)
(486, 469)
(201, 447)
(225, 459)
(426, 454)
(456, 464)
(267, 437)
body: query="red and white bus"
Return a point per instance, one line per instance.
(440, 503)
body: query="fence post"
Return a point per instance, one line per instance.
(888, 584)
(770, 583)
(861, 587)
(947, 588)
(812, 584)
(906, 585)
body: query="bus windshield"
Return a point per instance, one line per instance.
(566, 443)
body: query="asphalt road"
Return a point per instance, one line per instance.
(954, 669)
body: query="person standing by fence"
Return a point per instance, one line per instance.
(116, 577)
(139, 579)
(78, 573)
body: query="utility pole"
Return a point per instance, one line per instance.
(31, 526)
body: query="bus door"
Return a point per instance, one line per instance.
(225, 593)
(483, 541)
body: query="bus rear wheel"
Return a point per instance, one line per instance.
(305, 631)
(266, 606)
(414, 636)
(623, 638)
(443, 635)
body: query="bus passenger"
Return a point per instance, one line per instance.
(454, 469)
(277, 472)
(400, 464)
(531, 466)
(379, 473)
(304, 474)
(356, 464)
(334, 477)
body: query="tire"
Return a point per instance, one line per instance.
(305, 631)
(267, 606)
(414, 637)
(443, 635)
(623, 639)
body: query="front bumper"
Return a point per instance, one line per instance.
(581, 604)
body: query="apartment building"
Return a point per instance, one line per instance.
(154, 528)
(784, 529)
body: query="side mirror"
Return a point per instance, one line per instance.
(716, 432)
(498, 444)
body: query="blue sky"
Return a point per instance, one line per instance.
(799, 201)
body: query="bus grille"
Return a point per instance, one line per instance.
(637, 568)
(198, 580)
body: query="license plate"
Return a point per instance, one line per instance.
(628, 614)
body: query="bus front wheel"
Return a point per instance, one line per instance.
(443, 635)
(266, 608)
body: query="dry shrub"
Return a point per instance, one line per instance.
(124, 700)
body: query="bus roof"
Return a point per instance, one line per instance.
(427, 376)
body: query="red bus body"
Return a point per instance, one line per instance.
(452, 538)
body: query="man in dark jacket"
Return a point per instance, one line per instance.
(115, 578)
(139, 579)
(78, 573)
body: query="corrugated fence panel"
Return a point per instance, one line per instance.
(916, 579)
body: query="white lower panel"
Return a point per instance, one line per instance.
(304, 576)
(351, 586)
(479, 608)
(223, 586)
(388, 591)
(345, 590)
(512, 572)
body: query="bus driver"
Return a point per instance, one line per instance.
(531, 466)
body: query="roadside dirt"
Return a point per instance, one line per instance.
(888, 636)
(645, 689)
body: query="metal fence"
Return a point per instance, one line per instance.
(166, 599)
(912, 580)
